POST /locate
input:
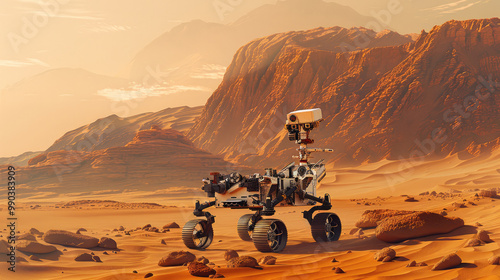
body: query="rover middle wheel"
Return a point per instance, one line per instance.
(244, 223)
(270, 235)
(326, 227)
(197, 234)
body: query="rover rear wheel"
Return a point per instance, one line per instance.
(270, 235)
(243, 227)
(326, 227)
(197, 234)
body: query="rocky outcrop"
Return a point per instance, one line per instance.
(177, 258)
(419, 224)
(370, 218)
(155, 158)
(66, 238)
(369, 94)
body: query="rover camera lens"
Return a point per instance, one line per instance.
(293, 118)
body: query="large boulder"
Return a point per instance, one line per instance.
(63, 237)
(370, 218)
(200, 269)
(449, 261)
(34, 247)
(176, 258)
(107, 243)
(419, 224)
(243, 261)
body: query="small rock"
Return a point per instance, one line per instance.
(163, 242)
(243, 261)
(105, 253)
(203, 260)
(26, 236)
(348, 252)
(412, 264)
(473, 242)
(483, 236)
(385, 255)
(96, 258)
(443, 213)
(495, 260)
(121, 228)
(149, 274)
(200, 269)
(488, 193)
(135, 271)
(34, 231)
(411, 199)
(229, 254)
(107, 243)
(449, 261)
(422, 264)
(339, 270)
(334, 260)
(171, 225)
(267, 260)
(477, 224)
(85, 257)
(216, 276)
(458, 205)
(146, 226)
(81, 230)
(34, 258)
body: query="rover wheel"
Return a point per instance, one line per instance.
(197, 234)
(326, 227)
(244, 223)
(270, 235)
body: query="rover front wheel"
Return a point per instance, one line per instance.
(197, 234)
(326, 227)
(270, 235)
(245, 227)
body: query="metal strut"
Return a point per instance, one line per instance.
(325, 205)
(198, 210)
(270, 204)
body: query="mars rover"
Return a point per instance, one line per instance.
(293, 185)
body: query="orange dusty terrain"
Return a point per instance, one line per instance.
(301, 259)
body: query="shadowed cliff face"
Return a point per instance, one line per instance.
(381, 97)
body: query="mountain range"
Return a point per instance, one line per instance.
(432, 97)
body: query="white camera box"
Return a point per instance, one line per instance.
(304, 116)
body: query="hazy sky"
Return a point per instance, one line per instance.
(103, 36)
(100, 36)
